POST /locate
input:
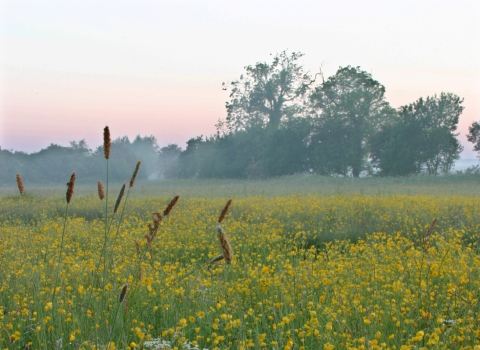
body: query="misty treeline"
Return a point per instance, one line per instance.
(54, 164)
(280, 120)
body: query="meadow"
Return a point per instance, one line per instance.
(318, 263)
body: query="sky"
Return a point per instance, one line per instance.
(68, 68)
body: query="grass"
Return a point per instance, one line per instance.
(319, 263)
(302, 184)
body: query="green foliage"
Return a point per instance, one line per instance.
(268, 94)
(234, 155)
(187, 160)
(394, 149)
(285, 151)
(421, 138)
(55, 163)
(168, 165)
(350, 107)
(253, 153)
(473, 135)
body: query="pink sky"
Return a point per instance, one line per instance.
(67, 69)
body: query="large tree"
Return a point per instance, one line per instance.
(267, 93)
(394, 150)
(423, 138)
(350, 107)
(438, 117)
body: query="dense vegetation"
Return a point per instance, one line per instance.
(356, 265)
(55, 163)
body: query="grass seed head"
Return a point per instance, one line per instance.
(123, 293)
(101, 191)
(135, 172)
(70, 187)
(21, 189)
(137, 249)
(225, 244)
(170, 205)
(224, 211)
(106, 142)
(119, 198)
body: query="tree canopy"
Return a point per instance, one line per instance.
(267, 93)
(350, 107)
(473, 135)
(422, 138)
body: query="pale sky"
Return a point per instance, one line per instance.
(68, 68)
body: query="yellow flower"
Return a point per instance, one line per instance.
(418, 337)
(328, 346)
(139, 333)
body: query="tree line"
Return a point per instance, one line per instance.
(55, 163)
(281, 120)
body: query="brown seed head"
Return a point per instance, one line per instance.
(170, 205)
(119, 198)
(70, 186)
(106, 142)
(137, 249)
(121, 297)
(21, 189)
(135, 172)
(224, 211)
(225, 245)
(101, 191)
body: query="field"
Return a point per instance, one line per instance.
(318, 263)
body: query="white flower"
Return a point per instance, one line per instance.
(448, 323)
(160, 344)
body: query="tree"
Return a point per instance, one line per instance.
(394, 150)
(285, 151)
(350, 107)
(421, 138)
(473, 136)
(329, 151)
(441, 115)
(236, 153)
(146, 149)
(268, 93)
(188, 159)
(81, 146)
(11, 163)
(168, 161)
